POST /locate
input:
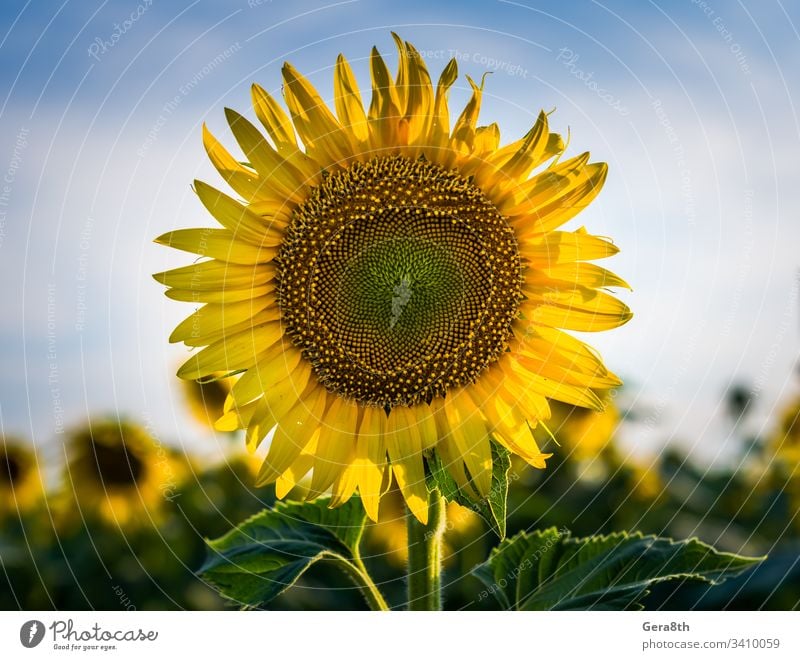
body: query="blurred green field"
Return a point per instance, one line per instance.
(124, 526)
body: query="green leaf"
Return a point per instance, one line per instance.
(550, 570)
(266, 554)
(493, 509)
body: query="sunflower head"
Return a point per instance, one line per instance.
(21, 486)
(117, 470)
(390, 283)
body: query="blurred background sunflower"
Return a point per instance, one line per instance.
(21, 484)
(116, 470)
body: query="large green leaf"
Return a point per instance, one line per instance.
(550, 570)
(267, 553)
(494, 508)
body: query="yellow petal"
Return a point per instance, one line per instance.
(553, 370)
(276, 212)
(239, 351)
(579, 272)
(559, 247)
(509, 158)
(419, 99)
(440, 127)
(401, 82)
(370, 458)
(345, 486)
(322, 134)
(224, 296)
(426, 425)
(336, 444)
(554, 197)
(213, 317)
(384, 110)
(347, 98)
(278, 400)
(514, 389)
(541, 188)
(235, 216)
(275, 172)
(554, 343)
(463, 135)
(294, 432)
(243, 180)
(578, 308)
(280, 129)
(214, 275)
(296, 471)
(451, 457)
(470, 435)
(554, 389)
(405, 452)
(217, 243)
(275, 366)
(529, 154)
(276, 122)
(486, 139)
(509, 423)
(240, 418)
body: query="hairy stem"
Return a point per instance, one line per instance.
(358, 574)
(425, 556)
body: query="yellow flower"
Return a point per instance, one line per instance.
(117, 470)
(394, 285)
(21, 486)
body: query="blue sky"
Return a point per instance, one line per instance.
(692, 104)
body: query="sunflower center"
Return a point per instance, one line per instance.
(116, 466)
(398, 280)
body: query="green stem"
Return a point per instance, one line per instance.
(358, 574)
(425, 556)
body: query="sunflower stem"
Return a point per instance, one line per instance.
(358, 574)
(425, 556)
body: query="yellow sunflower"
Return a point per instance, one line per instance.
(391, 285)
(21, 486)
(117, 470)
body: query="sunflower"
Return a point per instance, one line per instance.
(391, 286)
(116, 470)
(21, 486)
